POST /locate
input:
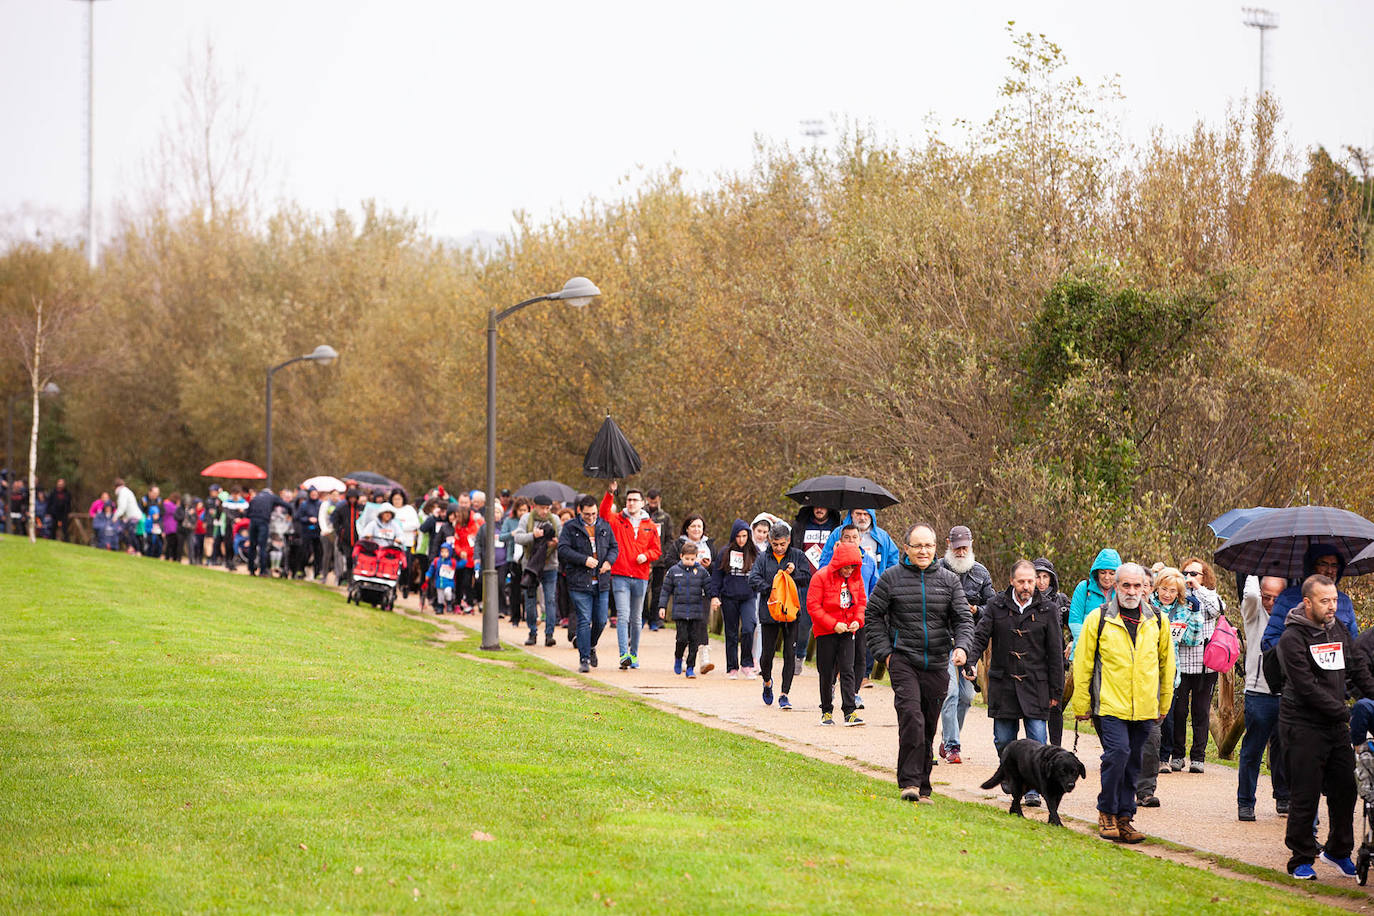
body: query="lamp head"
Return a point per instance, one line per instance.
(324, 354)
(51, 389)
(577, 292)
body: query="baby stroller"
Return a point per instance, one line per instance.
(1364, 781)
(377, 569)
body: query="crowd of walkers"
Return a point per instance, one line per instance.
(1136, 650)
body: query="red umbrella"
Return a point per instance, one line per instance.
(234, 469)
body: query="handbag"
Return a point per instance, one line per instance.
(1220, 651)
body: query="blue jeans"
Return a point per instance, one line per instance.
(1004, 731)
(803, 623)
(958, 699)
(258, 563)
(593, 610)
(1261, 731)
(1361, 718)
(548, 579)
(1122, 741)
(629, 595)
(741, 618)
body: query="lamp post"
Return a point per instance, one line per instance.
(324, 355)
(577, 292)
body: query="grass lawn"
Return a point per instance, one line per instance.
(181, 739)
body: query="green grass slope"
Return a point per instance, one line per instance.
(177, 739)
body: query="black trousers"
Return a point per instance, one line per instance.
(651, 597)
(918, 696)
(1194, 698)
(515, 596)
(1320, 762)
(691, 635)
(835, 653)
(772, 629)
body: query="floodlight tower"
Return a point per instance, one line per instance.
(813, 128)
(91, 253)
(1266, 21)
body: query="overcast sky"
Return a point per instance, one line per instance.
(462, 113)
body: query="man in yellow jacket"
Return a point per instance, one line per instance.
(1123, 672)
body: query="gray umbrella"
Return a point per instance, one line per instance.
(558, 492)
(1275, 543)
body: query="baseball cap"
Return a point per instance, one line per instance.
(960, 536)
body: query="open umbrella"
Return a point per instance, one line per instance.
(1362, 564)
(324, 483)
(234, 469)
(1228, 523)
(373, 482)
(611, 455)
(1274, 543)
(558, 492)
(834, 491)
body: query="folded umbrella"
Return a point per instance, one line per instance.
(611, 455)
(558, 492)
(1275, 543)
(834, 491)
(1228, 523)
(235, 469)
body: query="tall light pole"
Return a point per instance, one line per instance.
(92, 254)
(323, 355)
(1266, 21)
(577, 292)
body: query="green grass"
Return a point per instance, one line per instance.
(180, 739)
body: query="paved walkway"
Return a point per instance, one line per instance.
(1198, 810)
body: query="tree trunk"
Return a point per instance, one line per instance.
(36, 383)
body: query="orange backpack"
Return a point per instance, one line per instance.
(783, 602)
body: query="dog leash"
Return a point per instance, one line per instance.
(1075, 735)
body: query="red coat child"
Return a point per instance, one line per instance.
(831, 599)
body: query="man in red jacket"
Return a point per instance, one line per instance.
(636, 536)
(836, 600)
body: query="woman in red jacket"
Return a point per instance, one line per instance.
(836, 600)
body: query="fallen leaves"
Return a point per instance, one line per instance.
(482, 837)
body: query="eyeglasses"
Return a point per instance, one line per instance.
(920, 546)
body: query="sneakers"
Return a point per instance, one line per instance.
(1281, 807)
(911, 794)
(1106, 827)
(852, 720)
(593, 659)
(1345, 866)
(1176, 764)
(827, 718)
(784, 703)
(1303, 873)
(952, 755)
(1195, 766)
(691, 672)
(1032, 800)
(750, 673)
(624, 662)
(634, 661)
(943, 751)
(799, 667)
(677, 666)
(1245, 812)
(768, 693)
(550, 642)
(1148, 801)
(1126, 832)
(583, 667)
(707, 668)
(858, 702)
(1164, 767)
(732, 675)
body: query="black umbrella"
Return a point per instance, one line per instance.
(1274, 543)
(558, 492)
(611, 455)
(373, 482)
(834, 491)
(1363, 564)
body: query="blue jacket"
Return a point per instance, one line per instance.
(731, 582)
(1087, 595)
(1291, 597)
(689, 588)
(574, 547)
(308, 509)
(888, 554)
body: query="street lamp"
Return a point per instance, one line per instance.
(577, 292)
(323, 355)
(49, 390)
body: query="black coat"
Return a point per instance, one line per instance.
(1313, 694)
(921, 613)
(1027, 666)
(574, 547)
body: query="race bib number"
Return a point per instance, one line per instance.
(1329, 656)
(737, 561)
(813, 553)
(814, 536)
(846, 600)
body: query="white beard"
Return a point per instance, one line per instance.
(1128, 601)
(960, 565)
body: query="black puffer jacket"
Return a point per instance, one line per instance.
(920, 613)
(1026, 670)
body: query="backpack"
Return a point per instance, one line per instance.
(784, 603)
(1219, 653)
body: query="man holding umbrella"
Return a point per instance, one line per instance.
(1322, 560)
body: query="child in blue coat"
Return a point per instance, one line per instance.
(443, 577)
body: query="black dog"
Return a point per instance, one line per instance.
(1044, 768)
